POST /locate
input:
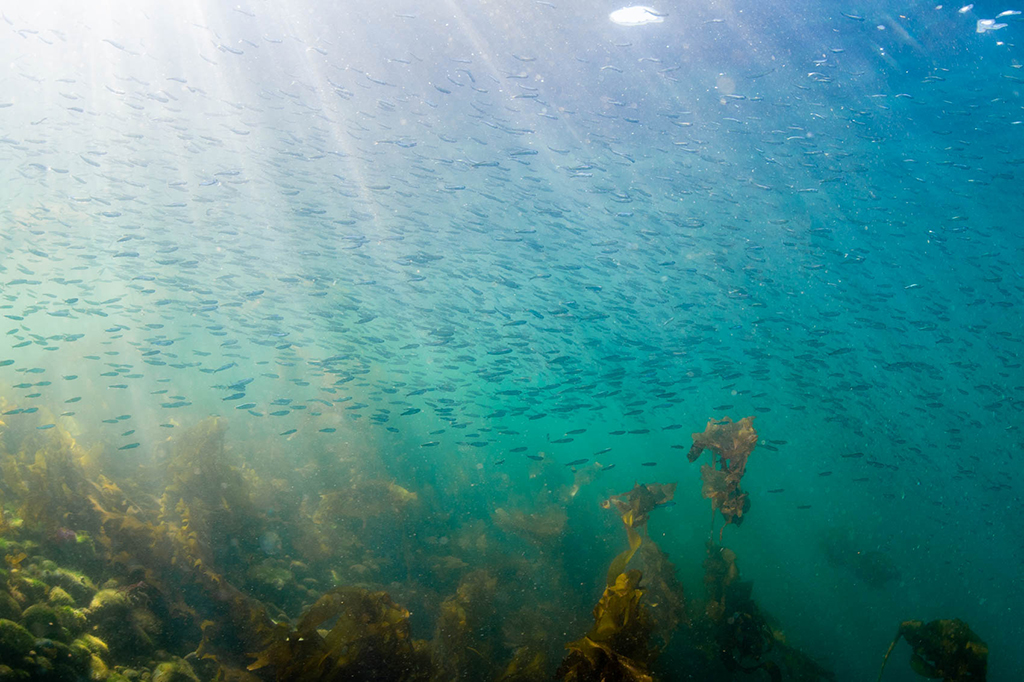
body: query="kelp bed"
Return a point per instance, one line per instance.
(194, 566)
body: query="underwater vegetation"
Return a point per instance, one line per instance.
(197, 565)
(943, 649)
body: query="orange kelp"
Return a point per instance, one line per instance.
(943, 649)
(731, 444)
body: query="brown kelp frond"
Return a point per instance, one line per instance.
(639, 502)
(527, 665)
(943, 649)
(467, 633)
(732, 441)
(616, 646)
(369, 640)
(731, 444)
(720, 572)
(48, 478)
(665, 599)
(542, 526)
(635, 508)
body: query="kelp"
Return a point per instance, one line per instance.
(467, 634)
(47, 477)
(664, 597)
(639, 502)
(943, 649)
(734, 631)
(369, 640)
(615, 649)
(634, 509)
(731, 444)
(365, 500)
(527, 665)
(541, 527)
(208, 493)
(742, 638)
(720, 572)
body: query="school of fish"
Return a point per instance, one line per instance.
(523, 233)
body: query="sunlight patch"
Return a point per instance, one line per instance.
(637, 15)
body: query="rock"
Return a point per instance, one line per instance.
(34, 590)
(9, 607)
(98, 669)
(126, 629)
(93, 644)
(78, 586)
(60, 597)
(15, 641)
(72, 620)
(8, 674)
(107, 602)
(42, 621)
(174, 671)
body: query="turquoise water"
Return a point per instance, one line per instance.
(459, 246)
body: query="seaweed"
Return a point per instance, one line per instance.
(527, 665)
(635, 508)
(731, 444)
(639, 502)
(665, 599)
(720, 572)
(735, 631)
(943, 649)
(466, 631)
(47, 477)
(740, 634)
(615, 648)
(370, 640)
(540, 527)
(209, 494)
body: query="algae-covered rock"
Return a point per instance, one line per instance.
(34, 590)
(93, 644)
(98, 670)
(78, 586)
(127, 629)
(174, 671)
(270, 574)
(60, 597)
(9, 607)
(108, 602)
(59, 662)
(71, 619)
(8, 674)
(15, 641)
(42, 621)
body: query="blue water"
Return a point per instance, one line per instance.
(456, 246)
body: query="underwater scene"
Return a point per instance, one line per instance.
(484, 340)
